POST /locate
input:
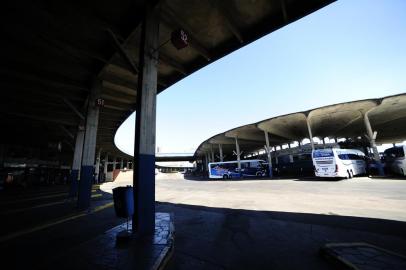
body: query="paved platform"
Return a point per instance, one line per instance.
(103, 252)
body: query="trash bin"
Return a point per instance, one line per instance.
(123, 201)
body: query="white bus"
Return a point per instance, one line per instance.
(229, 169)
(395, 159)
(335, 162)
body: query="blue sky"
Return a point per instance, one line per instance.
(346, 51)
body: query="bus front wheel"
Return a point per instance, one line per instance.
(225, 176)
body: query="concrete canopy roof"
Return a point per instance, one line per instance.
(387, 116)
(52, 51)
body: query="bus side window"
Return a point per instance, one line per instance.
(343, 156)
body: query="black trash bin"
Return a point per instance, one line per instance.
(123, 201)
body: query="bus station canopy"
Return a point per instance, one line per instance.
(53, 50)
(387, 116)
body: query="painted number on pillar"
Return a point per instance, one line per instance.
(100, 102)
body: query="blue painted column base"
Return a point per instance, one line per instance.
(144, 199)
(85, 187)
(73, 190)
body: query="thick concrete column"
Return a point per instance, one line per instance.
(77, 162)
(238, 153)
(97, 169)
(212, 153)
(310, 133)
(89, 147)
(221, 152)
(371, 137)
(268, 153)
(121, 164)
(144, 145)
(128, 165)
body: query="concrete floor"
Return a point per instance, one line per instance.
(276, 224)
(359, 197)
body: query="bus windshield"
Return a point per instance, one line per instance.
(323, 153)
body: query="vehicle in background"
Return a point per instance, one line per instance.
(293, 165)
(395, 159)
(336, 162)
(229, 169)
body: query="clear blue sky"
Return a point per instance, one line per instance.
(346, 51)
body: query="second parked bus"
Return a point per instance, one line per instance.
(335, 162)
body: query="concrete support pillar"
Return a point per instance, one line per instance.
(128, 165)
(77, 162)
(106, 165)
(238, 153)
(89, 147)
(310, 133)
(212, 153)
(97, 169)
(144, 145)
(221, 153)
(371, 137)
(121, 164)
(268, 153)
(114, 163)
(324, 142)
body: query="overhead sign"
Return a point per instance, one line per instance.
(179, 39)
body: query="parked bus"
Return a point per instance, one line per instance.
(229, 169)
(395, 159)
(335, 162)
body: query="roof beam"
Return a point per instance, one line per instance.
(114, 87)
(42, 119)
(117, 99)
(231, 25)
(44, 81)
(173, 63)
(74, 109)
(122, 52)
(67, 132)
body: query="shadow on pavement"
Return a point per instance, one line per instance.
(222, 238)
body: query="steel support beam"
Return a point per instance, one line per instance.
(144, 145)
(89, 147)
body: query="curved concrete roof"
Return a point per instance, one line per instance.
(387, 116)
(51, 52)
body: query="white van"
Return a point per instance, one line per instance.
(335, 162)
(395, 159)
